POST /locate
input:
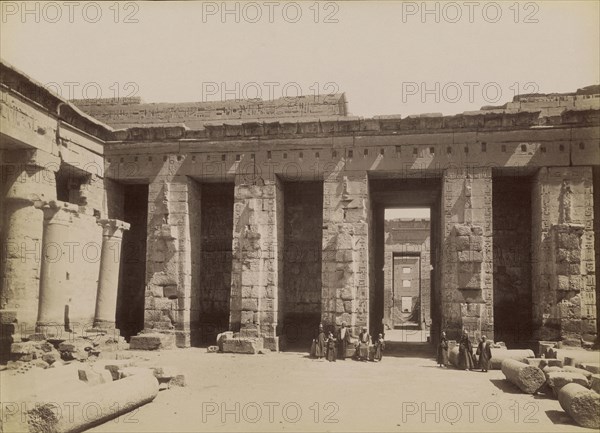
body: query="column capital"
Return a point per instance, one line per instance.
(56, 211)
(113, 227)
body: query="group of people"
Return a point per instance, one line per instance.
(333, 347)
(466, 359)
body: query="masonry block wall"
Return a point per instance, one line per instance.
(345, 271)
(257, 260)
(169, 254)
(467, 286)
(564, 277)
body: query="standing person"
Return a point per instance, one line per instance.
(442, 354)
(379, 346)
(320, 343)
(344, 340)
(485, 353)
(364, 342)
(331, 347)
(465, 352)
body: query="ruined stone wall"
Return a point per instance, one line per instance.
(345, 270)
(257, 259)
(511, 205)
(467, 286)
(564, 277)
(303, 222)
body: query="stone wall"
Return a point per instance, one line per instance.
(345, 269)
(511, 205)
(303, 222)
(564, 277)
(467, 286)
(257, 259)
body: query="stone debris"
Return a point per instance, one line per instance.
(592, 367)
(499, 355)
(528, 378)
(582, 404)
(92, 376)
(583, 372)
(557, 379)
(153, 341)
(595, 383)
(212, 349)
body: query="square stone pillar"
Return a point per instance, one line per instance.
(171, 200)
(257, 266)
(563, 271)
(345, 268)
(27, 177)
(467, 285)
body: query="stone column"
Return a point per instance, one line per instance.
(257, 260)
(345, 269)
(563, 271)
(58, 218)
(27, 178)
(467, 285)
(108, 278)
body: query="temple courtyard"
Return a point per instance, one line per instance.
(289, 391)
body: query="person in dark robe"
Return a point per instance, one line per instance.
(344, 340)
(465, 352)
(364, 343)
(442, 354)
(484, 350)
(320, 343)
(379, 347)
(331, 343)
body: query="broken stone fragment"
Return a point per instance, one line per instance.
(499, 355)
(583, 405)
(243, 345)
(155, 341)
(557, 379)
(528, 378)
(595, 383)
(92, 376)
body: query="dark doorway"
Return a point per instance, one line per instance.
(511, 204)
(130, 301)
(213, 278)
(303, 233)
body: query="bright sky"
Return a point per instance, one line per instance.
(388, 57)
(391, 214)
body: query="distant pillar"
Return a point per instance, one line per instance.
(58, 218)
(108, 280)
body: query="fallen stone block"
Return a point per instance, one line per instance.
(113, 366)
(592, 367)
(528, 378)
(575, 356)
(499, 355)
(582, 404)
(13, 365)
(110, 400)
(595, 383)
(51, 357)
(132, 371)
(264, 351)
(587, 374)
(243, 345)
(155, 341)
(536, 362)
(544, 346)
(92, 376)
(554, 362)
(228, 335)
(40, 363)
(212, 349)
(557, 379)
(76, 349)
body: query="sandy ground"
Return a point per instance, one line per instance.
(291, 392)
